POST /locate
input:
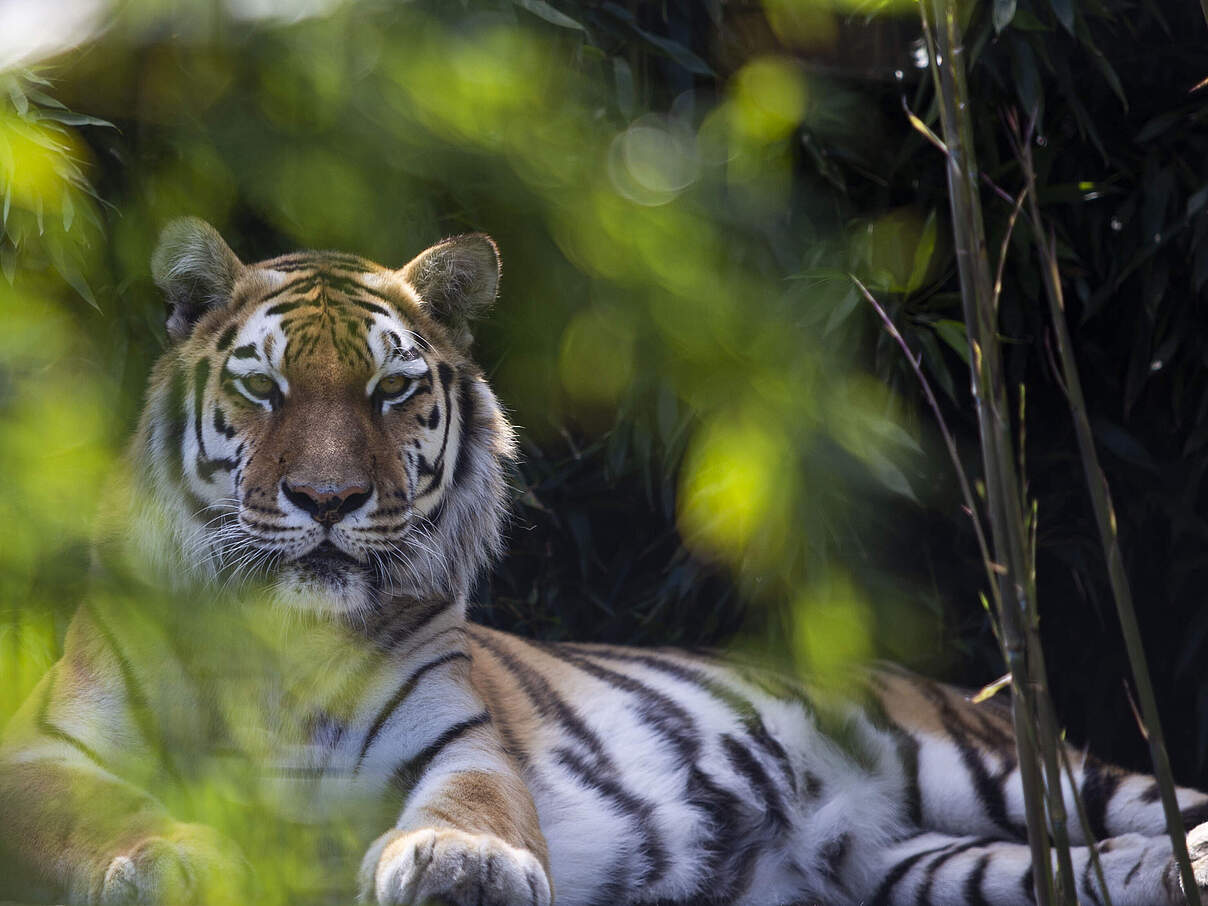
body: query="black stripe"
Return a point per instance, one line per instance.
(246, 351)
(1132, 872)
(899, 871)
(297, 284)
(1088, 885)
(610, 787)
(1028, 883)
(1099, 784)
(989, 789)
(399, 697)
(350, 286)
(1194, 815)
(746, 713)
(201, 374)
(973, 884)
(547, 702)
(445, 373)
(833, 855)
(749, 767)
(227, 338)
(283, 308)
(406, 776)
(139, 704)
(598, 772)
(727, 857)
(47, 727)
(923, 897)
(388, 635)
(908, 755)
(658, 711)
(466, 417)
(175, 425)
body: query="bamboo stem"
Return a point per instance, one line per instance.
(1003, 489)
(1105, 518)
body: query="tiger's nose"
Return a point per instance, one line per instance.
(327, 506)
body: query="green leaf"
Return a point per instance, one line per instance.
(1026, 74)
(1108, 73)
(1004, 12)
(953, 333)
(1197, 201)
(17, 96)
(889, 475)
(1064, 11)
(841, 311)
(623, 76)
(1160, 124)
(67, 209)
(544, 10)
(923, 253)
(80, 285)
(67, 118)
(677, 52)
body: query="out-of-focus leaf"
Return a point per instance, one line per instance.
(1026, 74)
(67, 209)
(889, 475)
(622, 75)
(1004, 12)
(1108, 72)
(1196, 201)
(953, 333)
(68, 118)
(1064, 11)
(17, 96)
(544, 10)
(923, 253)
(841, 311)
(933, 361)
(676, 51)
(989, 690)
(1122, 444)
(1160, 124)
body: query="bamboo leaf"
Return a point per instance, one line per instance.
(1004, 12)
(544, 10)
(1064, 11)
(989, 690)
(953, 333)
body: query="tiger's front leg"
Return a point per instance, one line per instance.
(468, 833)
(473, 839)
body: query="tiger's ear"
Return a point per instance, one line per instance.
(196, 271)
(456, 281)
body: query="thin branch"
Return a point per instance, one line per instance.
(949, 440)
(1105, 518)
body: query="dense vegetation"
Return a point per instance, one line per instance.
(720, 444)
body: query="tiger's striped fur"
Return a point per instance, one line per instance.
(318, 429)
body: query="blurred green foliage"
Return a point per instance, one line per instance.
(719, 444)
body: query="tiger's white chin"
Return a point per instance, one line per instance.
(327, 592)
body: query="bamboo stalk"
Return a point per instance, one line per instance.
(1105, 517)
(1003, 490)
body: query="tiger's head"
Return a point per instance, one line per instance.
(317, 422)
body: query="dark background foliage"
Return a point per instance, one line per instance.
(209, 116)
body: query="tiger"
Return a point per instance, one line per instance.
(318, 446)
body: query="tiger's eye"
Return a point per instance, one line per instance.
(393, 384)
(260, 385)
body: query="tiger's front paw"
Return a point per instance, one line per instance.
(189, 865)
(412, 867)
(1197, 848)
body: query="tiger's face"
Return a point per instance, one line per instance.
(318, 423)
